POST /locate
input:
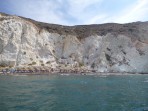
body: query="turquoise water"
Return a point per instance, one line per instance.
(74, 93)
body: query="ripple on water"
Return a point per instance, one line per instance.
(146, 81)
(141, 109)
(73, 93)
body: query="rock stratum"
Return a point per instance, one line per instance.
(107, 47)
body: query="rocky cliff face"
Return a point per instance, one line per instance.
(104, 48)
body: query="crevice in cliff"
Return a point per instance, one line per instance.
(1, 46)
(18, 58)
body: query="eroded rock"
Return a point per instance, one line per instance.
(103, 48)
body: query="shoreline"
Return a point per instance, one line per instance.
(70, 73)
(62, 71)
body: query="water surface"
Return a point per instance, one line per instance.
(74, 93)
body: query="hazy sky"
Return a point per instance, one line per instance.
(74, 12)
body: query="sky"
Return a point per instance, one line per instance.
(78, 12)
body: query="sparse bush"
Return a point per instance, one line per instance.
(24, 53)
(48, 62)
(30, 64)
(53, 51)
(81, 64)
(42, 64)
(70, 56)
(93, 65)
(10, 66)
(63, 57)
(33, 63)
(130, 30)
(41, 61)
(31, 59)
(66, 65)
(3, 65)
(108, 57)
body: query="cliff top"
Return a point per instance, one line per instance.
(81, 31)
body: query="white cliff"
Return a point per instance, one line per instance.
(104, 48)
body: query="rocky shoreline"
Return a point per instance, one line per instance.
(74, 74)
(51, 71)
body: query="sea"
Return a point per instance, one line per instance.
(74, 93)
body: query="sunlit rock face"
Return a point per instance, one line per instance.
(104, 48)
